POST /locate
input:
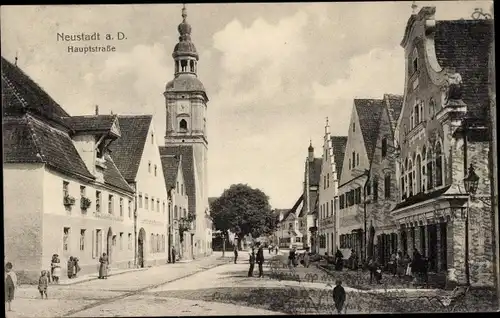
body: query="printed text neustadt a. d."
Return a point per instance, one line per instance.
(95, 36)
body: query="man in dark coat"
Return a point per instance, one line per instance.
(173, 255)
(260, 259)
(339, 296)
(235, 253)
(251, 260)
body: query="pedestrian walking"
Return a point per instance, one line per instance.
(392, 264)
(71, 267)
(292, 257)
(339, 296)
(103, 266)
(339, 260)
(76, 262)
(55, 265)
(235, 253)
(306, 258)
(277, 248)
(43, 284)
(375, 271)
(173, 255)
(270, 248)
(260, 259)
(251, 259)
(10, 284)
(400, 264)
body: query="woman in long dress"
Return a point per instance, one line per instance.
(71, 267)
(103, 267)
(56, 268)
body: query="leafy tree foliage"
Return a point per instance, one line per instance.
(243, 211)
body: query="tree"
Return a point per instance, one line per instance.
(243, 211)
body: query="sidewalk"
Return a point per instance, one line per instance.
(79, 295)
(113, 272)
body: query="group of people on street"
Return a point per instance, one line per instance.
(256, 257)
(73, 267)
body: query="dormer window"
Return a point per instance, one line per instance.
(183, 124)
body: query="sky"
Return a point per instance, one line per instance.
(273, 72)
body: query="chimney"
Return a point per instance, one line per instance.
(97, 109)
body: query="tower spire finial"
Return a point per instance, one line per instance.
(414, 7)
(184, 12)
(15, 59)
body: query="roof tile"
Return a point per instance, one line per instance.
(464, 45)
(338, 145)
(369, 111)
(127, 149)
(170, 166)
(187, 169)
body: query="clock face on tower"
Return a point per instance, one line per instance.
(182, 106)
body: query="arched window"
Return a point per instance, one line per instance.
(191, 64)
(432, 108)
(439, 165)
(183, 124)
(430, 170)
(410, 178)
(185, 213)
(357, 159)
(349, 164)
(163, 243)
(175, 212)
(418, 169)
(184, 65)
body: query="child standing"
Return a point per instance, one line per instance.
(10, 284)
(339, 296)
(43, 284)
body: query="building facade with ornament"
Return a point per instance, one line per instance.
(444, 203)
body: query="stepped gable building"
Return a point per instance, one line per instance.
(381, 193)
(137, 157)
(443, 133)
(63, 193)
(332, 159)
(361, 142)
(180, 234)
(308, 212)
(186, 134)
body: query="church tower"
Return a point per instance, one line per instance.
(186, 135)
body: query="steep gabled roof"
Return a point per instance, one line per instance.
(21, 94)
(338, 145)
(170, 164)
(464, 46)
(113, 177)
(127, 150)
(369, 111)
(315, 171)
(394, 104)
(30, 140)
(294, 208)
(313, 201)
(187, 170)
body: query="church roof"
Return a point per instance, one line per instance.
(127, 150)
(315, 171)
(170, 164)
(185, 83)
(187, 169)
(338, 145)
(464, 45)
(369, 111)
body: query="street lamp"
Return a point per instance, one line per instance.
(471, 182)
